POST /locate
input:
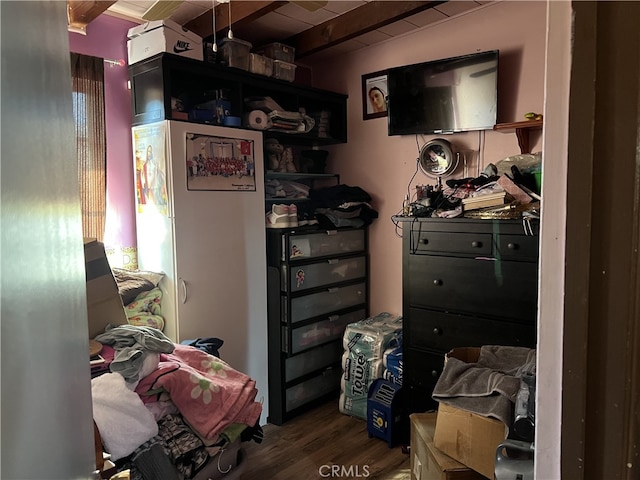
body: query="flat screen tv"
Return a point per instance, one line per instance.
(455, 94)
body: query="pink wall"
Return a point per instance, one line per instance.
(107, 38)
(384, 165)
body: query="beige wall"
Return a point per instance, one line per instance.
(384, 165)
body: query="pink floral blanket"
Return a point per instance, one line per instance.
(209, 393)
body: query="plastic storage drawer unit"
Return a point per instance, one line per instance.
(312, 360)
(326, 301)
(316, 387)
(323, 331)
(323, 244)
(334, 270)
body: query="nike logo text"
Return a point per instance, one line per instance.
(181, 46)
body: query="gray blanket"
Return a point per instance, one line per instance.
(488, 387)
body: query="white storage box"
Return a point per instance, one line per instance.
(160, 36)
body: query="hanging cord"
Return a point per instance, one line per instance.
(480, 158)
(409, 197)
(230, 34)
(213, 14)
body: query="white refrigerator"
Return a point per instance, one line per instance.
(200, 213)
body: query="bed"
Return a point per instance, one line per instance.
(164, 410)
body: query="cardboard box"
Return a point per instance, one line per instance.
(159, 36)
(469, 438)
(465, 436)
(429, 463)
(104, 304)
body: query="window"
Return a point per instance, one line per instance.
(88, 110)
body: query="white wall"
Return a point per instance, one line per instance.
(552, 264)
(384, 165)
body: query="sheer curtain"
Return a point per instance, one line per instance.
(88, 109)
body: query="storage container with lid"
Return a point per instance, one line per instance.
(279, 51)
(284, 70)
(260, 64)
(235, 52)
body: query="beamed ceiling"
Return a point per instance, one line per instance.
(313, 27)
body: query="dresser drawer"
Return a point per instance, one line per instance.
(316, 333)
(517, 247)
(311, 360)
(422, 368)
(326, 382)
(479, 287)
(326, 272)
(322, 244)
(443, 331)
(440, 242)
(324, 302)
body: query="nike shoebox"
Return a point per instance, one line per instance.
(160, 36)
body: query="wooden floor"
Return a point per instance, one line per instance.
(307, 447)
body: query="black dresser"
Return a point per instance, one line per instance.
(466, 283)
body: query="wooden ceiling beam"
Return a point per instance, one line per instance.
(81, 13)
(356, 22)
(241, 13)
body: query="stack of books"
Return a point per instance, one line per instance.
(485, 200)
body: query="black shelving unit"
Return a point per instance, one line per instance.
(159, 79)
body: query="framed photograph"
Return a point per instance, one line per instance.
(374, 95)
(218, 163)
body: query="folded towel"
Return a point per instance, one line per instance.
(122, 419)
(488, 387)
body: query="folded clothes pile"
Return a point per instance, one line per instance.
(267, 114)
(343, 206)
(275, 188)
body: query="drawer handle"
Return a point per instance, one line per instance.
(434, 373)
(437, 331)
(333, 318)
(424, 241)
(437, 282)
(513, 246)
(476, 244)
(333, 290)
(333, 261)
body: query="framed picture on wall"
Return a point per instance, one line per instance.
(374, 95)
